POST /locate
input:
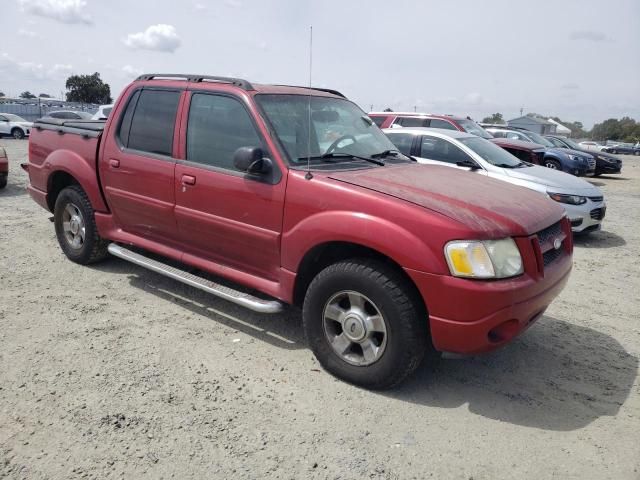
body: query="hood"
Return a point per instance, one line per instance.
(25, 124)
(553, 179)
(492, 208)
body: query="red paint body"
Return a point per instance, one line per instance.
(4, 162)
(258, 234)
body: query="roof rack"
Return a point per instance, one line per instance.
(327, 90)
(238, 82)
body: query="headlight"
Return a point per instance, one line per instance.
(483, 259)
(572, 157)
(570, 199)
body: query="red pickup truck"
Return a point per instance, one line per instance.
(4, 168)
(296, 194)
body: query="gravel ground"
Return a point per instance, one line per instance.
(112, 371)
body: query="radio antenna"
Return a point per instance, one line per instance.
(309, 176)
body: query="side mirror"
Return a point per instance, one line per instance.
(469, 164)
(252, 161)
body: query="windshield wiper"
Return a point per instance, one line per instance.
(328, 156)
(386, 153)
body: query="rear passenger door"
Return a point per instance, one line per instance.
(224, 215)
(137, 172)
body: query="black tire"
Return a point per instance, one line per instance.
(92, 248)
(3, 181)
(403, 313)
(17, 133)
(553, 164)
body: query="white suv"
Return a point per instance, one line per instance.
(14, 125)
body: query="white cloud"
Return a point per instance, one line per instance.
(233, 3)
(130, 71)
(570, 86)
(65, 11)
(32, 70)
(27, 33)
(199, 7)
(161, 37)
(590, 35)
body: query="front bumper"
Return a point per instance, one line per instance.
(474, 316)
(608, 167)
(587, 217)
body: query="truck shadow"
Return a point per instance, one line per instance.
(282, 330)
(558, 376)
(601, 239)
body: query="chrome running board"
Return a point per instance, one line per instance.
(239, 298)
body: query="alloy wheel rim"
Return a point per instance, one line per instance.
(552, 166)
(354, 328)
(73, 226)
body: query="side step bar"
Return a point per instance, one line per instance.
(239, 298)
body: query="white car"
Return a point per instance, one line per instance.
(587, 145)
(583, 202)
(14, 125)
(103, 112)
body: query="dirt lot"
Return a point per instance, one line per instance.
(113, 371)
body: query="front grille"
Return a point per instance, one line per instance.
(549, 233)
(598, 213)
(551, 255)
(596, 199)
(546, 238)
(592, 163)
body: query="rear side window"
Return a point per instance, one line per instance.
(438, 149)
(218, 126)
(437, 123)
(402, 141)
(150, 129)
(378, 120)
(412, 122)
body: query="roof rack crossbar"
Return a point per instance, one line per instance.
(327, 90)
(238, 82)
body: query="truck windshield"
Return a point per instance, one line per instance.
(492, 153)
(470, 126)
(339, 131)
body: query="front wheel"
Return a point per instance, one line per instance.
(552, 164)
(365, 323)
(17, 133)
(76, 227)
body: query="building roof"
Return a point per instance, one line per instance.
(541, 121)
(559, 127)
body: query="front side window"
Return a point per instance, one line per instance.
(218, 126)
(153, 122)
(492, 153)
(339, 131)
(434, 148)
(402, 141)
(539, 139)
(437, 123)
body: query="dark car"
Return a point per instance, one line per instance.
(605, 162)
(622, 148)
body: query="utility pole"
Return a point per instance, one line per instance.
(521, 110)
(415, 108)
(371, 109)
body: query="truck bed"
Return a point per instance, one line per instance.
(87, 128)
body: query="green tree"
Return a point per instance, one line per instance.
(625, 130)
(44, 95)
(27, 94)
(2, 94)
(88, 89)
(387, 110)
(494, 118)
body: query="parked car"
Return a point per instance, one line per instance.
(625, 149)
(583, 202)
(413, 119)
(69, 115)
(294, 193)
(605, 163)
(103, 112)
(15, 126)
(566, 160)
(588, 145)
(4, 168)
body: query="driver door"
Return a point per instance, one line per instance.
(224, 215)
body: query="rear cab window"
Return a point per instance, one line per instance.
(149, 120)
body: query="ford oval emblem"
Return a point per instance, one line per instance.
(557, 243)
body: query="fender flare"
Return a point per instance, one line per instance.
(77, 167)
(389, 239)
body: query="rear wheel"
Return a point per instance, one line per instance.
(76, 227)
(3, 181)
(365, 323)
(552, 164)
(17, 133)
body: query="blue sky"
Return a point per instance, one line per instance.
(574, 59)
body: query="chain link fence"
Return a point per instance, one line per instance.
(34, 108)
